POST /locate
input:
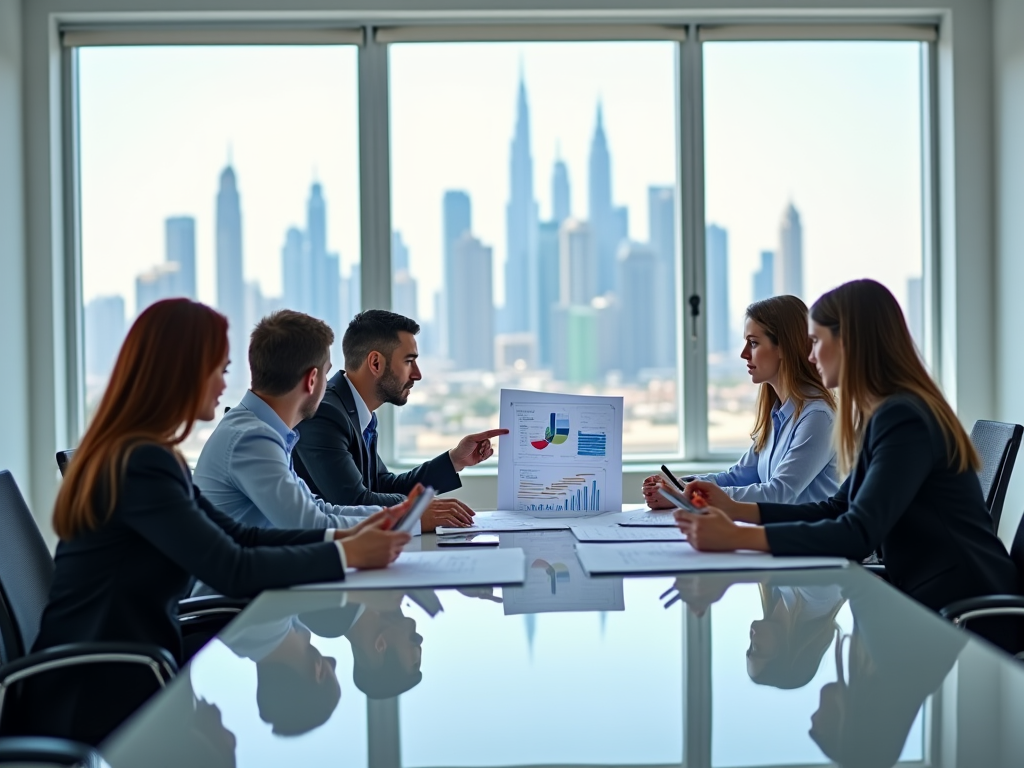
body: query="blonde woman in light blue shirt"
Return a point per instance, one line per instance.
(792, 459)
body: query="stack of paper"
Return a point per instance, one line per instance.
(678, 557)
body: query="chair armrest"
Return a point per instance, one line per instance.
(46, 750)
(985, 607)
(158, 660)
(209, 605)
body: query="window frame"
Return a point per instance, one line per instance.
(688, 33)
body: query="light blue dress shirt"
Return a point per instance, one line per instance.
(797, 465)
(245, 469)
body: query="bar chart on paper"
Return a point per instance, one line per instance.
(566, 453)
(555, 490)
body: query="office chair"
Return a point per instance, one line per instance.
(26, 571)
(997, 443)
(63, 459)
(44, 750)
(989, 606)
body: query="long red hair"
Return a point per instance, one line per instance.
(155, 395)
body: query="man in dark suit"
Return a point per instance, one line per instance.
(337, 453)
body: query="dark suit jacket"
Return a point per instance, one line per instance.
(929, 521)
(122, 582)
(332, 457)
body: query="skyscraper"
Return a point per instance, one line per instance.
(104, 332)
(399, 253)
(561, 208)
(180, 241)
(160, 282)
(458, 221)
(296, 276)
(403, 294)
(578, 281)
(789, 275)
(520, 310)
(638, 273)
(717, 298)
(548, 286)
(471, 322)
(608, 224)
(764, 278)
(230, 282)
(661, 212)
(403, 285)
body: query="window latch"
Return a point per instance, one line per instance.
(694, 313)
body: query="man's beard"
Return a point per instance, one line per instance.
(391, 390)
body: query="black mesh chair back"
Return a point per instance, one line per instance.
(26, 569)
(63, 459)
(997, 443)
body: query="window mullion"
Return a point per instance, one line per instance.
(692, 347)
(375, 197)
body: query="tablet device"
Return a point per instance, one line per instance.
(407, 522)
(680, 502)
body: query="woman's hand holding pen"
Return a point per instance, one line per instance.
(655, 500)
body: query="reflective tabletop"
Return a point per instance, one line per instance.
(785, 668)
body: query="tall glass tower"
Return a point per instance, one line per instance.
(230, 282)
(521, 305)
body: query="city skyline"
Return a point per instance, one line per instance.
(848, 157)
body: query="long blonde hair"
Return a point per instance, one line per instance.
(784, 321)
(879, 360)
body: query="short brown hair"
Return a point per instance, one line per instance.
(283, 347)
(375, 330)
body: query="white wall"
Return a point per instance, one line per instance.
(966, 179)
(1008, 50)
(14, 332)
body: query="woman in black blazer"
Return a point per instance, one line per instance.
(135, 531)
(912, 491)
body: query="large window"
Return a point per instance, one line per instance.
(226, 174)
(534, 207)
(557, 209)
(812, 178)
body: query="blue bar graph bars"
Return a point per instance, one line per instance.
(591, 443)
(571, 494)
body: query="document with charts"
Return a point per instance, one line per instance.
(562, 456)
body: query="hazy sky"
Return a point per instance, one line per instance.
(834, 127)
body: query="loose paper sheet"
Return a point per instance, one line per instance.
(563, 453)
(619, 533)
(674, 557)
(649, 518)
(438, 569)
(504, 520)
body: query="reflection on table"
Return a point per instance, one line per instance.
(743, 669)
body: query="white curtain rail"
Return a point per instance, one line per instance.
(923, 33)
(209, 35)
(474, 33)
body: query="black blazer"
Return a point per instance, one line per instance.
(929, 521)
(332, 457)
(123, 580)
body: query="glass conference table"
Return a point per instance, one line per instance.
(784, 668)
